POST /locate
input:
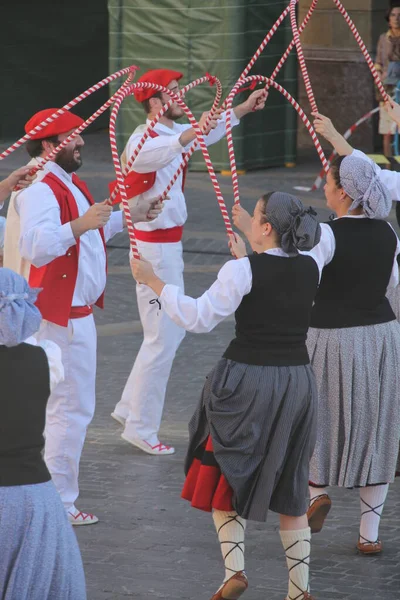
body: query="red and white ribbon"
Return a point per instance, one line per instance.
(117, 166)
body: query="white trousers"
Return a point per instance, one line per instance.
(71, 406)
(143, 398)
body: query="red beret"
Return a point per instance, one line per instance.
(62, 124)
(158, 76)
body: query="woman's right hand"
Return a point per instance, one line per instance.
(237, 246)
(324, 126)
(393, 110)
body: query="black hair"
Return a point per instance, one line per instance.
(335, 170)
(146, 103)
(264, 204)
(35, 147)
(393, 5)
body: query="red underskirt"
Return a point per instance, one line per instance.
(205, 487)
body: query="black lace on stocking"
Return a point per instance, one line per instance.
(236, 545)
(298, 562)
(371, 509)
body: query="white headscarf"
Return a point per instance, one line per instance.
(360, 180)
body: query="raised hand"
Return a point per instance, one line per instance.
(241, 219)
(213, 122)
(256, 100)
(17, 179)
(393, 110)
(237, 246)
(20, 178)
(324, 126)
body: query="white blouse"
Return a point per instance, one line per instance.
(201, 315)
(53, 353)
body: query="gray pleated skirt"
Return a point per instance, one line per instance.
(393, 294)
(358, 384)
(262, 422)
(39, 556)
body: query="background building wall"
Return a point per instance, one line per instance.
(219, 37)
(50, 53)
(341, 80)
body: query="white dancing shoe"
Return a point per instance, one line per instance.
(118, 418)
(77, 517)
(157, 449)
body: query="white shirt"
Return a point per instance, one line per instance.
(164, 155)
(324, 251)
(12, 257)
(201, 315)
(44, 238)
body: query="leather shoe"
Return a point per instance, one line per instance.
(369, 547)
(233, 588)
(318, 511)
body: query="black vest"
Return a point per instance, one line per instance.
(352, 291)
(25, 389)
(272, 320)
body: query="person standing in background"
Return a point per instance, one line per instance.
(388, 66)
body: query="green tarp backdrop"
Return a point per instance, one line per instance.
(51, 52)
(218, 37)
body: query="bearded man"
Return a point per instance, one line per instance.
(63, 235)
(141, 406)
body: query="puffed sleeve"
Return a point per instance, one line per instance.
(200, 315)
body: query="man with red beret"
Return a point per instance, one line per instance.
(141, 406)
(63, 233)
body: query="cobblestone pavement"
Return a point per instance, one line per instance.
(149, 543)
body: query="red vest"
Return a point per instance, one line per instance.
(137, 183)
(58, 278)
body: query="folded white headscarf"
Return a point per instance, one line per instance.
(360, 180)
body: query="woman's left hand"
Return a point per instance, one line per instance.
(142, 270)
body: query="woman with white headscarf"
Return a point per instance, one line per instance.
(354, 346)
(39, 557)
